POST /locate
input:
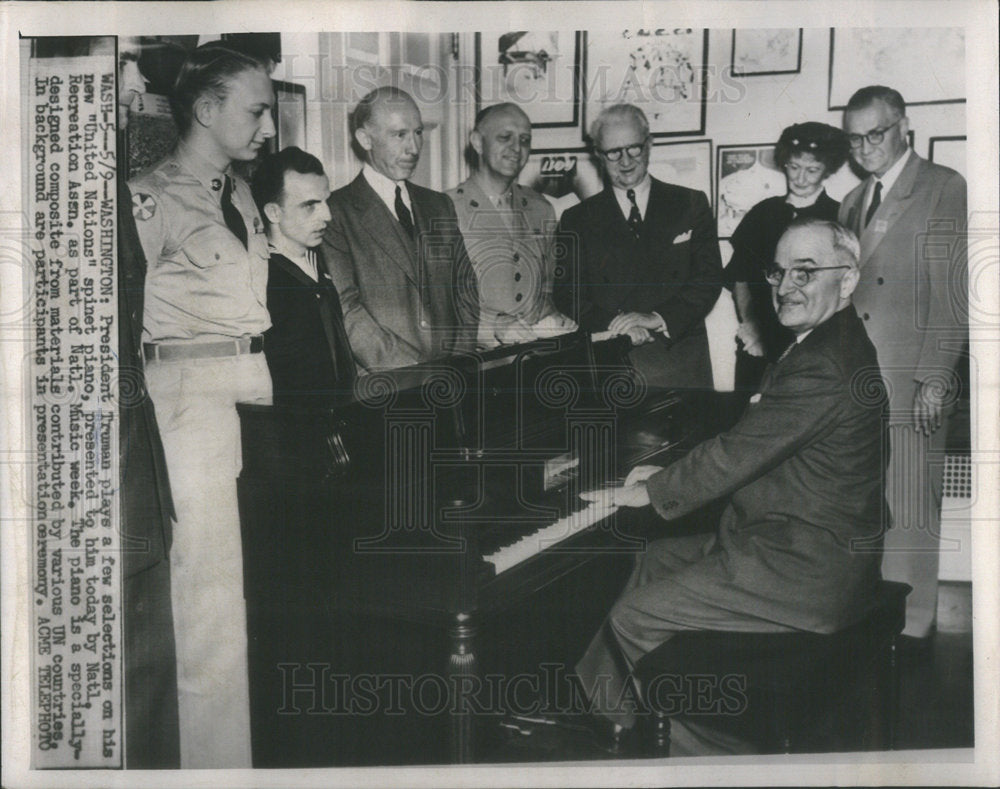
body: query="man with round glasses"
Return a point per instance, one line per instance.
(641, 258)
(910, 216)
(802, 476)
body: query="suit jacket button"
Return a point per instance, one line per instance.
(517, 277)
(880, 281)
(518, 297)
(866, 316)
(517, 257)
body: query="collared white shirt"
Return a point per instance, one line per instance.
(386, 189)
(888, 179)
(641, 197)
(304, 260)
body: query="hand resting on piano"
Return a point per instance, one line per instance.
(631, 494)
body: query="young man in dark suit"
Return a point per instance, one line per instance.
(306, 347)
(394, 249)
(803, 471)
(641, 258)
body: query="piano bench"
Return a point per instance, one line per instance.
(776, 689)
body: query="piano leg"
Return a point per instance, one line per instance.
(461, 675)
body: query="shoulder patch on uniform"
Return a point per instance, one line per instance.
(143, 206)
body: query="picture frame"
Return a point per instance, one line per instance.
(745, 175)
(543, 77)
(660, 71)
(898, 57)
(290, 114)
(684, 163)
(758, 52)
(949, 151)
(564, 177)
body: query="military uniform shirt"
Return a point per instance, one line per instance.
(202, 284)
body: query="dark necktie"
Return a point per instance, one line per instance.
(876, 202)
(234, 221)
(403, 213)
(634, 217)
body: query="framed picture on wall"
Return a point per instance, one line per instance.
(949, 151)
(660, 71)
(762, 51)
(538, 70)
(563, 177)
(746, 175)
(291, 114)
(684, 163)
(900, 57)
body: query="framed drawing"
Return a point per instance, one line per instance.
(746, 175)
(563, 177)
(660, 71)
(540, 71)
(684, 163)
(762, 51)
(290, 111)
(901, 58)
(949, 151)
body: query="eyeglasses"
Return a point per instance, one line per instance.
(799, 275)
(633, 151)
(874, 137)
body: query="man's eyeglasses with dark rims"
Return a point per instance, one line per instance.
(799, 275)
(874, 137)
(633, 151)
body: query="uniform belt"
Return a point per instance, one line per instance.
(165, 352)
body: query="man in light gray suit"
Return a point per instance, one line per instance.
(910, 216)
(393, 249)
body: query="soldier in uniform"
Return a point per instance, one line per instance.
(509, 231)
(203, 320)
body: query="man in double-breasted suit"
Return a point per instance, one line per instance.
(394, 249)
(307, 351)
(910, 215)
(509, 231)
(641, 258)
(803, 470)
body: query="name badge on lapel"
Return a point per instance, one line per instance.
(881, 226)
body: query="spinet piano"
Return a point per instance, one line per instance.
(417, 560)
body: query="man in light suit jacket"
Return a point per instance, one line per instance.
(509, 231)
(803, 470)
(307, 351)
(641, 258)
(911, 217)
(394, 249)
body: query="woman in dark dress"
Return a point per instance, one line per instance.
(808, 153)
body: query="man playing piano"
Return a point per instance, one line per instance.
(803, 470)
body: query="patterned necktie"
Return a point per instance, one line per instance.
(634, 217)
(234, 221)
(403, 213)
(876, 201)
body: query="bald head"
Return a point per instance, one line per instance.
(389, 130)
(502, 141)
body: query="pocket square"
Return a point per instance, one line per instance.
(683, 237)
(755, 398)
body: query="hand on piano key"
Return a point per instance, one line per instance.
(619, 496)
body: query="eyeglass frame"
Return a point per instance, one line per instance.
(877, 132)
(618, 152)
(807, 271)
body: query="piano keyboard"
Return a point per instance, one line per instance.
(537, 541)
